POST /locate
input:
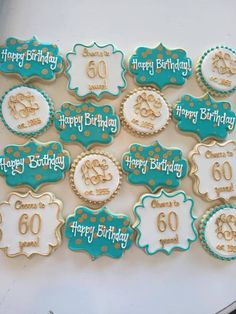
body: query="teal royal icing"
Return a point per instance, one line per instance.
(30, 58)
(153, 205)
(86, 123)
(154, 166)
(204, 116)
(160, 66)
(34, 163)
(98, 232)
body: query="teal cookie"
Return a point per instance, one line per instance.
(160, 66)
(34, 163)
(30, 59)
(218, 232)
(26, 110)
(98, 232)
(154, 166)
(87, 124)
(204, 116)
(165, 222)
(96, 70)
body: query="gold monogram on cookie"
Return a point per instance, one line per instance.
(147, 106)
(223, 63)
(95, 171)
(22, 105)
(226, 227)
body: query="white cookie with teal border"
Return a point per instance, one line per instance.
(26, 110)
(218, 232)
(165, 222)
(216, 71)
(96, 70)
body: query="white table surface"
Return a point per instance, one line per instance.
(67, 282)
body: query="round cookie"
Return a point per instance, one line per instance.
(30, 224)
(154, 166)
(98, 232)
(216, 71)
(145, 111)
(213, 170)
(160, 66)
(26, 110)
(218, 232)
(34, 163)
(30, 59)
(204, 116)
(165, 222)
(95, 177)
(87, 124)
(96, 70)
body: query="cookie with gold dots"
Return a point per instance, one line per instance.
(154, 166)
(30, 59)
(87, 124)
(98, 232)
(204, 116)
(160, 67)
(34, 163)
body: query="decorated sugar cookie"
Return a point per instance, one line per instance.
(98, 232)
(34, 163)
(87, 124)
(30, 224)
(30, 59)
(96, 70)
(26, 110)
(204, 116)
(216, 70)
(95, 177)
(154, 166)
(213, 170)
(145, 111)
(160, 66)
(218, 232)
(165, 222)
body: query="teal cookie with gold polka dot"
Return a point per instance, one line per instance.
(204, 116)
(154, 166)
(34, 163)
(98, 232)
(30, 59)
(87, 124)
(160, 66)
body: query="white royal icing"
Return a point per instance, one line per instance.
(220, 232)
(216, 170)
(22, 234)
(96, 185)
(29, 113)
(109, 80)
(164, 207)
(219, 69)
(146, 111)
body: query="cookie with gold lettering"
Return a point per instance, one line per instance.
(145, 111)
(217, 232)
(165, 222)
(34, 163)
(95, 177)
(204, 116)
(96, 70)
(213, 170)
(98, 232)
(26, 110)
(30, 59)
(154, 166)
(216, 71)
(30, 224)
(87, 124)
(160, 67)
